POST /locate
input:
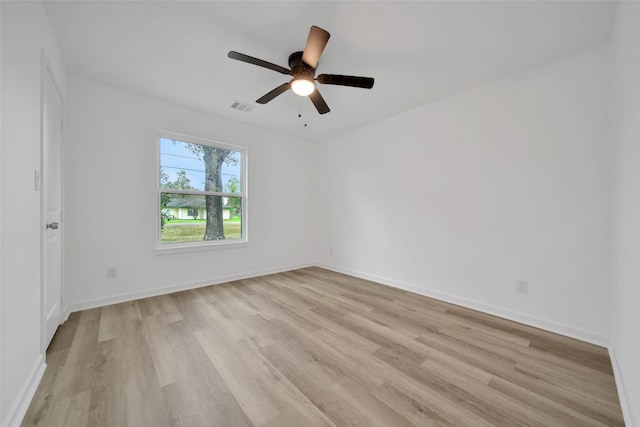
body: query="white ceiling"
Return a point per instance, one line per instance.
(417, 51)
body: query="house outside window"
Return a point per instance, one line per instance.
(202, 193)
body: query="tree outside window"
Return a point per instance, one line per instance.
(202, 191)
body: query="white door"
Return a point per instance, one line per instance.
(51, 205)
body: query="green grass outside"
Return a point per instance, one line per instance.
(199, 221)
(185, 221)
(194, 233)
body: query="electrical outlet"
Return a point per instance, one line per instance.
(522, 286)
(330, 251)
(112, 273)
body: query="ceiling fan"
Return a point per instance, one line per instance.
(303, 68)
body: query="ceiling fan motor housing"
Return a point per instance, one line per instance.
(298, 68)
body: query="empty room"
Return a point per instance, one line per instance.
(319, 213)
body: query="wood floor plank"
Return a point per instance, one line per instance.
(108, 400)
(564, 414)
(428, 401)
(418, 413)
(568, 348)
(489, 408)
(494, 364)
(313, 378)
(312, 347)
(64, 336)
(167, 349)
(75, 373)
(143, 397)
(39, 414)
(72, 411)
(162, 306)
(115, 320)
(199, 396)
(375, 411)
(263, 392)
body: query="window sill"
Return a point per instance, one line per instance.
(198, 247)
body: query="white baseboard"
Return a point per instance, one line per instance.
(630, 418)
(536, 322)
(555, 327)
(25, 395)
(131, 296)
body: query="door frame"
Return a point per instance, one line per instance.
(47, 67)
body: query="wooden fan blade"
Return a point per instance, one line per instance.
(259, 62)
(318, 102)
(353, 81)
(277, 91)
(316, 42)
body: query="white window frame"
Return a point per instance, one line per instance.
(181, 247)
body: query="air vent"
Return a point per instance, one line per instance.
(242, 106)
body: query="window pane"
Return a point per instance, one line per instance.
(186, 166)
(195, 218)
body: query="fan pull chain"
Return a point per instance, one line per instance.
(300, 110)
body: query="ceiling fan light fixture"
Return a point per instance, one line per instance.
(302, 87)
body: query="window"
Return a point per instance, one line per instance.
(202, 193)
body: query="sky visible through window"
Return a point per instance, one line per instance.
(175, 156)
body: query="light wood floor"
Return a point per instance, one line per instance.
(315, 348)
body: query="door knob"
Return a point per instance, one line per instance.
(52, 225)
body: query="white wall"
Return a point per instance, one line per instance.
(626, 232)
(460, 198)
(111, 198)
(25, 32)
